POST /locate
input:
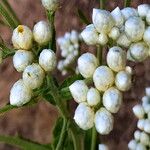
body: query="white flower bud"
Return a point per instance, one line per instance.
(22, 37)
(123, 81)
(146, 108)
(33, 76)
(84, 116)
(129, 57)
(141, 123)
(93, 97)
(147, 126)
(102, 147)
(146, 36)
(148, 17)
(118, 17)
(139, 51)
(123, 40)
(79, 91)
(102, 20)
(129, 12)
(103, 78)
(138, 111)
(102, 39)
(47, 60)
(114, 33)
(112, 100)
(87, 64)
(143, 10)
(134, 28)
(1, 57)
(132, 145)
(140, 147)
(42, 32)
(90, 35)
(74, 37)
(20, 94)
(129, 70)
(22, 59)
(137, 135)
(144, 138)
(51, 5)
(147, 90)
(116, 59)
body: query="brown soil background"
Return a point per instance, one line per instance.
(36, 122)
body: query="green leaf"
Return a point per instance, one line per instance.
(22, 143)
(83, 17)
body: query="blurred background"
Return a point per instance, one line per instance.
(36, 122)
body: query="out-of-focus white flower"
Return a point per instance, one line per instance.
(103, 78)
(103, 121)
(143, 10)
(33, 76)
(22, 59)
(102, 39)
(20, 94)
(144, 138)
(47, 60)
(114, 33)
(134, 28)
(118, 17)
(22, 37)
(112, 100)
(138, 111)
(148, 17)
(90, 35)
(147, 90)
(79, 91)
(123, 80)
(102, 147)
(146, 36)
(147, 126)
(102, 20)
(84, 116)
(137, 135)
(132, 145)
(139, 51)
(116, 59)
(42, 32)
(129, 12)
(93, 97)
(51, 5)
(140, 147)
(141, 123)
(87, 64)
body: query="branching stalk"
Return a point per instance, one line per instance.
(127, 3)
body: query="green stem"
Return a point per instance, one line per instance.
(100, 54)
(102, 4)
(94, 138)
(127, 3)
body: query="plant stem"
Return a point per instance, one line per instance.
(94, 135)
(100, 54)
(102, 4)
(127, 3)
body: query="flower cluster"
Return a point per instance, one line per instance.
(69, 46)
(109, 81)
(127, 28)
(141, 139)
(24, 61)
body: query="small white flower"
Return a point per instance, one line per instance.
(114, 33)
(47, 60)
(51, 5)
(146, 36)
(90, 35)
(1, 57)
(139, 51)
(123, 81)
(93, 97)
(42, 32)
(74, 37)
(102, 147)
(102, 20)
(147, 90)
(143, 10)
(139, 111)
(147, 126)
(140, 147)
(148, 17)
(22, 37)
(116, 59)
(129, 70)
(33, 76)
(123, 40)
(103, 121)
(87, 64)
(129, 12)
(132, 145)
(112, 100)
(20, 94)
(148, 115)
(102, 39)
(146, 107)
(141, 123)
(22, 59)
(103, 78)
(145, 100)
(134, 28)
(144, 138)
(79, 91)
(137, 135)
(84, 116)
(118, 17)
